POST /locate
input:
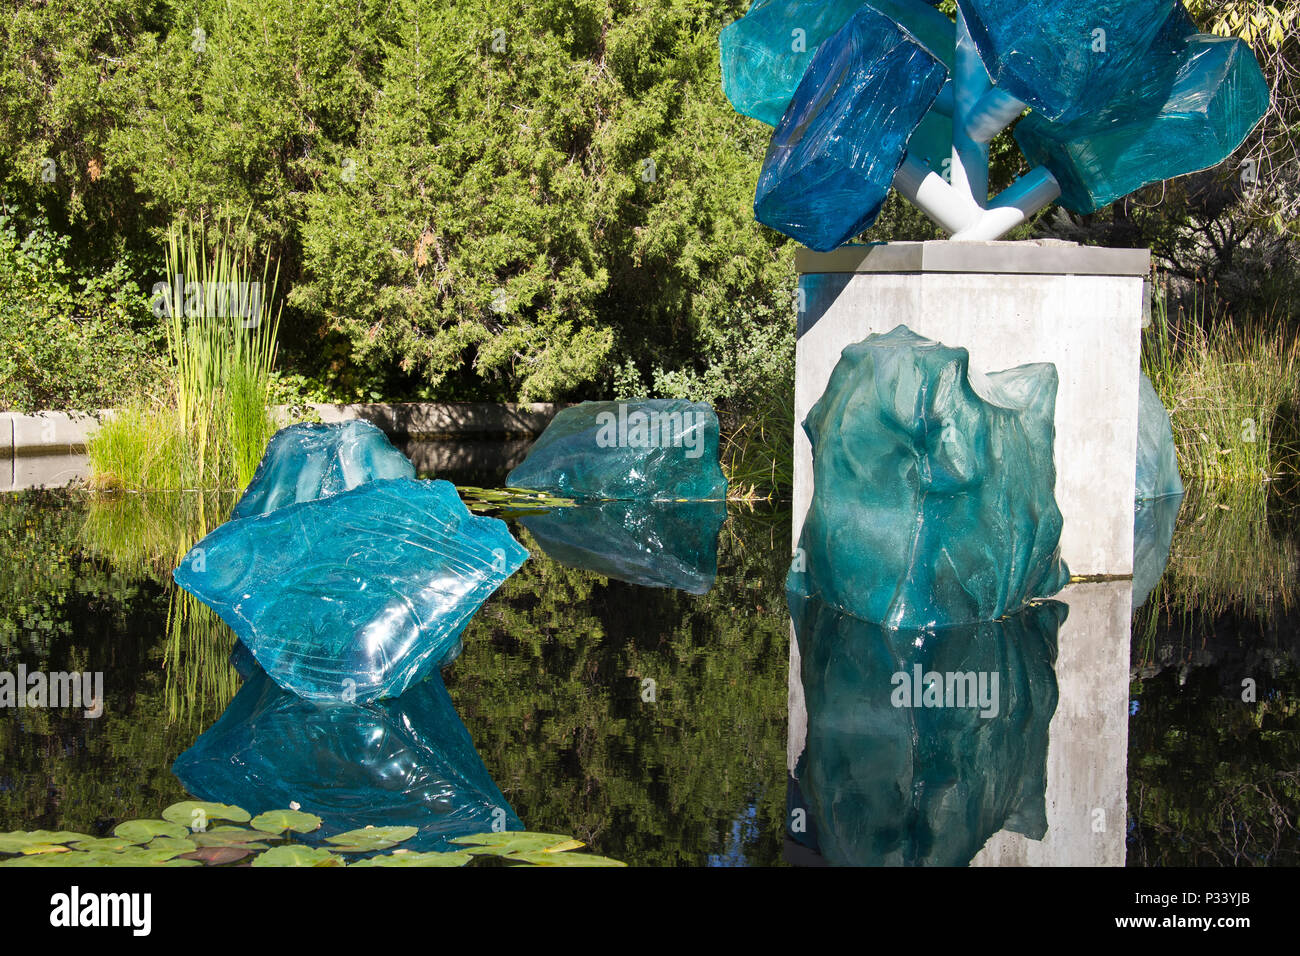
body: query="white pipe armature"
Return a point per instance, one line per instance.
(1030, 194)
(951, 209)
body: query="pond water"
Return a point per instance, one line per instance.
(658, 724)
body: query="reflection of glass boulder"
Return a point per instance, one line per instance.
(1191, 103)
(832, 159)
(933, 500)
(1153, 535)
(402, 762)
(658, 544)
(358, 595)
(309, 461)
(645, 449)
(920, 746)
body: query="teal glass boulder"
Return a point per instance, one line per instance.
(1157, 457)
(645, 449)
(920, 746)
(766, 53)
(308, 461)
(832, 159)
(408, 761)
(655, 544)
(933, 501)
(1065, 58)
(356, 596)
(1194, 104)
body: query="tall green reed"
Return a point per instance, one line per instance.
(212, 427)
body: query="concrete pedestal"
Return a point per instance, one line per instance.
(1007, 304)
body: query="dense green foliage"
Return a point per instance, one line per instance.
(69, 337)
(499, 200)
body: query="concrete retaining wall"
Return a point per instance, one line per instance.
(47, 449)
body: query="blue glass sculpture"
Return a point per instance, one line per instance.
(920, 746)
(767, 51)
(1193, 104)
(646, 449)
(402, 762)
(1157, 457)
(657, 544)
(358, 595)
(309, 461)
(833, 157)
(1064, 57)
(933, 500)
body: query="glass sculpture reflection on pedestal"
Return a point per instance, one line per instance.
(920, 746)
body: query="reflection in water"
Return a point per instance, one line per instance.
(661, 544)
(406, 761)
(874, 795)
(1153, 535)
(921, 745)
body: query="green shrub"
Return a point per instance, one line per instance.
(68, 339)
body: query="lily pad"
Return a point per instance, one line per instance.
(180, 845)
(142, 831)
(514, 841)
(218, 855)
(195, 814)
(17, 840)
(544, 858)
(234, 836)
(452, 858)
(371, 838)
(277, 821)
(297, 855)
(37, 848)
(102, 843)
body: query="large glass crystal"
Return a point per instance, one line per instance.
(1192, 104)
(358, 595)
(1157, 457)
(646, 449)
(933, 487)
(833, 156)
(308, 461)
(1064, 57)
(767, 51)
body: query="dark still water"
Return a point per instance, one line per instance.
(653, 722)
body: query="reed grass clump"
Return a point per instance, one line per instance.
(1232, 391)
(210, 426)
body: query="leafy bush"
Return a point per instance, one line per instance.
(69, 339)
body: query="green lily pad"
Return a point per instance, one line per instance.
(196, 814)
(451, 858)
(234, 836)
(514, 841)
(142, 831)
(180, 845)
(37, 848)
(543, 858)
(297, 855)
(102, 843)
(371, 838)
(17, 840)
(277, 821)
